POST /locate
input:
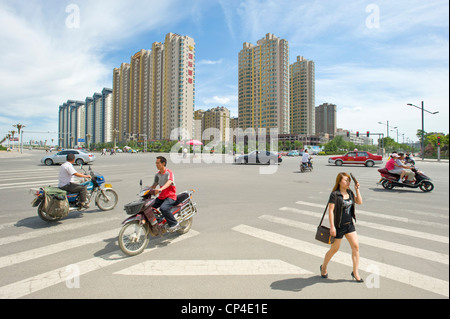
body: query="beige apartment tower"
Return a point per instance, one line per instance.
(302, 97)
(154, 94)
(217, 119)
(264, 85)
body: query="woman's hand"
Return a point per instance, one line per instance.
(333, 231)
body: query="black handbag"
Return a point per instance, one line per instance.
(323, 233)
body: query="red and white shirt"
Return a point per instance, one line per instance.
(161, 180)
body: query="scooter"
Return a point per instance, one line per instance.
(389, 180)
(306, 166)
(146, 221)
(47, 198)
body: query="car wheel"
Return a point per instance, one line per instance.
(79, 162)
(370, 163)
(48, 162)
(339, 163)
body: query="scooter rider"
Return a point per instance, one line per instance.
(167, 192)
(66, 173)
(306, 158)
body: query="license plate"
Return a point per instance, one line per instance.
(108, 186)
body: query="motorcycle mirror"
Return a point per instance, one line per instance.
(140, 183)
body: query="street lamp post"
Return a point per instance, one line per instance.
(423, 126)
(387, 130)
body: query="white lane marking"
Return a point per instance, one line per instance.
(28, 255)
(396, 230)
(407, 277)
(53, 230)
(378, 243)
(42, 281)
(212, 268)
(384, 216)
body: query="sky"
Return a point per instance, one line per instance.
(372, 57)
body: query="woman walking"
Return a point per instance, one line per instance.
(341, 207)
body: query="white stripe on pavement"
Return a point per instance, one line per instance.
(397, 230)
(212, 268)
(28, 255)
(378, 243)
(388, 217)
(33, 284)
(54, 230)
(407, 277)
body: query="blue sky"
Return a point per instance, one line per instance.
(372, 57)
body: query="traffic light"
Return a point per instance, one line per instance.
(368, 133)
(357, 133)
(439, 141)
(348, 134)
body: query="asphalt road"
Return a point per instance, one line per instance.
(253, 236)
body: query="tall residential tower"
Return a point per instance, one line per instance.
(154, 94)
(302, 95)
(264, 85)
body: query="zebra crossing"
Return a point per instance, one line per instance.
(384, 270)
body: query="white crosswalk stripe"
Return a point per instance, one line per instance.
(392, 272)
(388, 271)
(433, 237)
(61, 275)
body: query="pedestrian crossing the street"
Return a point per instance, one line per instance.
(301, 215)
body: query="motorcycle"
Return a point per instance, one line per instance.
(105, 198)
(306, 166)
(389, 180)
(146, 221)
(409, 160)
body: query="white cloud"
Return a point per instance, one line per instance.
(365, 96)
(209, 62)
(44, 62)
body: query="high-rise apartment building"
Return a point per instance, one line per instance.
(121, 100)
(326, 119)
(264, 85)
(302, 97)
(71, 123)
(154, 94)
(216, 119)
(88, 122)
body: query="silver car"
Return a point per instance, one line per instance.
(81, 157)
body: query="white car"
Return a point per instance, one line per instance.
(81, 157)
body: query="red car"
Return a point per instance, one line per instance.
(356, 157)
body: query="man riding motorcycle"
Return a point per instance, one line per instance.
(66, 173)
(167, 192)
(306, 158)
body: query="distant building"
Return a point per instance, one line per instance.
(215, 118)
(326, 119)
(264, 84)
(302, 97)
(155, 93)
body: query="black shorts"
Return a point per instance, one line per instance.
(345, 229)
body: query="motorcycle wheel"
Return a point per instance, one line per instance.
(133, 238)
(108, 202)
(46, 217)
(302, 169)
(427, 186)
(185, 226)
(387, 184)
